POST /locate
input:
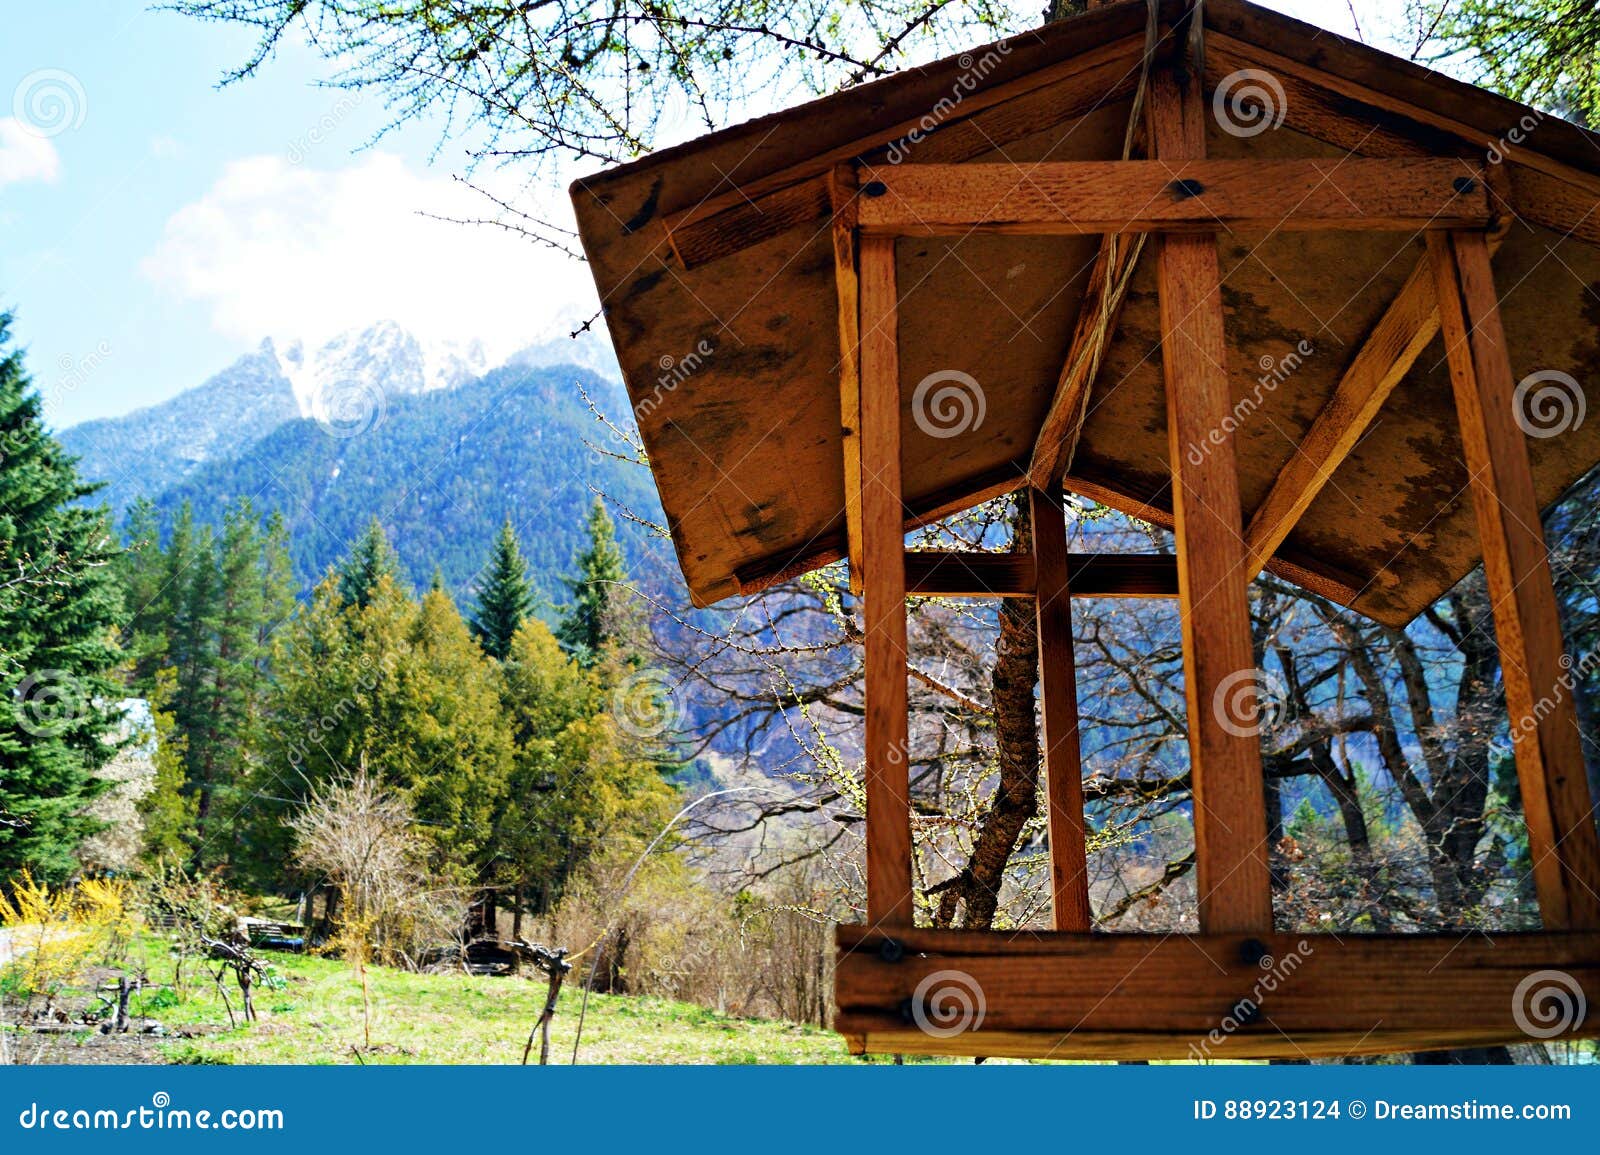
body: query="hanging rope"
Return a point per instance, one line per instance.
(1118, 272)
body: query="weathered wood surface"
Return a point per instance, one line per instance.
(889, 898)
(1047, 994)
(1138, 196)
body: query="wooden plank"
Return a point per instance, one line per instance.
(888, 850)
(1097, 322)
(1230, 830)
(1544, 724)
(1085, 996)
(1134, 196)
(1058, 708)
(842, 198)
(730, 221)
(963, 574)
(1380, 364)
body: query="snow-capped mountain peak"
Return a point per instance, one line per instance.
(382, 359)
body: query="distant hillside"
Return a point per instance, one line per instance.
(440, 470)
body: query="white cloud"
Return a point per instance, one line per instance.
(25, 155)
(278, 249)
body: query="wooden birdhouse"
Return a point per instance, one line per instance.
(1161, 202)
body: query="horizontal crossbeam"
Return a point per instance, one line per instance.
(1138, 196)
(1221, 996)
(966, 574)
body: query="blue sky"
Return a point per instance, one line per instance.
(164, 226)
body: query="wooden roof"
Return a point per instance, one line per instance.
(715, 266)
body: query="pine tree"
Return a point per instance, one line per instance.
(60, 612)
(592, 620)
(507, 598)
(372, 558)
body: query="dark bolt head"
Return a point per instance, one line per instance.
(874, 188)
(1253, 950)
(908, 1011)
(1464, 184)
(1184, 188)
(890, 950)
(1247, 1013)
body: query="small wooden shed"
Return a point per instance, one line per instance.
(1317, 309)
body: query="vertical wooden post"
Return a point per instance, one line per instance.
(1539, 691)
(884, 575)
(1058, 704)
(1230, 828)
(842, 197)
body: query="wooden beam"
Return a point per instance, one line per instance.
(1539, 686)
(1058, 709)
(1046, 994)
(842, 197)
(1382, 362)
(1140, 196)
(1230, 829)
(755, 211)
(889, 898)
(965, 574)
(1097, 321)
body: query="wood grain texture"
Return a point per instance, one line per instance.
(1229, 807)
(1110, 996)
(842, 199)
(889, 898)
(1058, 710)
(1058, 434)
(1544, 724)
(1380, 364)
(1133, 196)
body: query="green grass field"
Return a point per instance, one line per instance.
(312, 1012)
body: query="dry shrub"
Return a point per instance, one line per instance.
(670, 935)
(362, 837)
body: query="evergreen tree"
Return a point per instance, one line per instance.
(141, 570)
(592, 620)
(507, 598)
(372, 559)
(60, 611)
